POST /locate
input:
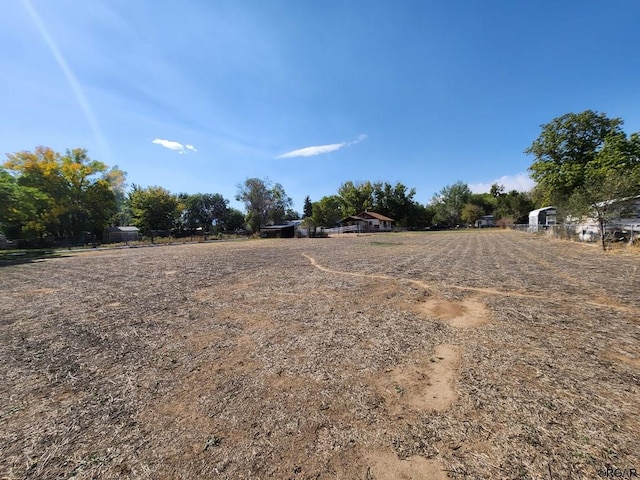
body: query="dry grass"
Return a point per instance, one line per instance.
(472, 355)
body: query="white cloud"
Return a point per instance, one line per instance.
(311, 151)
(360, 138)
(319, 149)
(171, 145)
(520, 181)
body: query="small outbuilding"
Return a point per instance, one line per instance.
(121, 234)
(286, 230)
(486, 221)
(542, 218)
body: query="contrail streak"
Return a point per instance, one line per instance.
(71, 78)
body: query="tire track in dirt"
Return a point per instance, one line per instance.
(419, 283)
(606, 303)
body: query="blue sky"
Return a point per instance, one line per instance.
(197, 96)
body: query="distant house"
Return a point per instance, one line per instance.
(542, 218)
(121, 234)
(485, 221)
(367, 222)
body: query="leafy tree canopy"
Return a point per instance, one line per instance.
(153, 208)
(328, 211)
(448, 203)
(265, 202)
(567, 148)
(513, 206)
(470, 213)
(395, 201)
(72, 193)
(202, 210)
(233, 220)
(356, 197)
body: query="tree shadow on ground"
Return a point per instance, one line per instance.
(28, 256)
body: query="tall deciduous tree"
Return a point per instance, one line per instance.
(79, 192)
(255, 193)
(612, 181)
(587, 165)
(448, 203)
(565, 148)
(24, 211)
(280, 209)
(264, 202)
(328, 211)
(395, 202)
(203, 210)
(153, 208)
(470, 213)
(233, 221)
(514, 206)
(356, 197)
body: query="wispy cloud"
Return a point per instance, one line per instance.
(320, 149)
(520, 181)
(175, 146)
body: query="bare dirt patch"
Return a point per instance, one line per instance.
(387, 466)
(426, 383)
(351, 357)
(466, 313)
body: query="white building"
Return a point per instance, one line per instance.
(542, 218)
(627, 225)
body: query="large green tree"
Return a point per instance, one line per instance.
(449, 202)
(395, 202)
(513, 206)
(586, 165)
(470, 213)
(264, 202)
(233, 221)
(24, 211)
(564, 150)
(328, 211)
(255, 193)
(356, 197)
(281, 204)
(153, 208)
(203, 210)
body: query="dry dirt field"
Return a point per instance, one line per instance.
(469, 355)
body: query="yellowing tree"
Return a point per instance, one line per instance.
(76, 194)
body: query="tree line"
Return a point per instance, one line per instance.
(70, 196)
(583, 164)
